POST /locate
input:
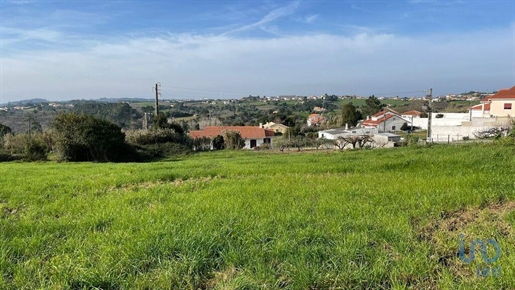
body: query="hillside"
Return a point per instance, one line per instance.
(258, 220)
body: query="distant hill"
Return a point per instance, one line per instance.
(25, 102)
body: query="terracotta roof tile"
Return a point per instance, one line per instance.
(378, 121)
(246, 132)
(502, 94)
(479, 107)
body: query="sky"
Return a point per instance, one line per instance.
(90, 49)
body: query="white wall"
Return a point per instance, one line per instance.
(449, 119)
(454, 133)
(259, 142)
(395, 121)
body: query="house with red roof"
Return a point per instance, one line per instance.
(415, 119)
(502, 104)
(253, 135)
(480, 111)
(385, 121)
(315, 120)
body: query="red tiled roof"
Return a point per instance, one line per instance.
(502, 94)
(379, 113)
(246, 132)
(412, 113)
(316, 118)
(479, 107)
(379, 121)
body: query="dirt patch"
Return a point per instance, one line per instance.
(445, 234)
(221, 279)
(157, 183)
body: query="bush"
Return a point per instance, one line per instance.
(36, 151)
(233, 140)
(86, 138)
(15, 144)
(411, 140)
(218, 142)
(147, 137)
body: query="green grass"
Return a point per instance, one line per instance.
(258, 220)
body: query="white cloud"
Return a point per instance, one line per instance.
(310, 19)
(366, 63)
(271, 16)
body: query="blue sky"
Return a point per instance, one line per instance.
(62, 50)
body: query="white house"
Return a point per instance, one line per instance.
(385, 121)
(333, 134)
(415, 120)
(480, 111)
(315, 120)
(502, 104)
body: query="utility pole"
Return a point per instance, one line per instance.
(156, 89)
(429, 115)
(30, 125)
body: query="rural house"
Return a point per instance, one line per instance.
(277, 128)
(385, 121)
(415, 119)
(315, 120)
(254, 136)
(502, 104)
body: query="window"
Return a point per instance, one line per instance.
(507, 106)
(393, 128)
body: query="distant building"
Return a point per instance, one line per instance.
(385, 121)
(277, 128)
(415, 120)
(253, 135)
(315, 120)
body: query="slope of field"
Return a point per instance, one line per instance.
(389, 218)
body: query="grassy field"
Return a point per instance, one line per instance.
(387, 218)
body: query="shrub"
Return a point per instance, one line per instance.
(218, 142)
(86, 138)
(147, 137)
(15, 144)
(36, 151)
(233, 140)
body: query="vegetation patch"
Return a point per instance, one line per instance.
(456, 231)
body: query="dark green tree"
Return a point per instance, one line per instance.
(372, 106)
(4, 130)
(350, 115)
(86, 138)
(218, 143)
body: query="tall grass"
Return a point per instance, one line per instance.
(251, 220)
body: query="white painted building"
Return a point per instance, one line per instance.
(385, 121)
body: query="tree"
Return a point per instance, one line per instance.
(359, 140)
(372, 106)
(86, 138)
(218, 142)
(4, 130)
(350, 115)
(233, 140)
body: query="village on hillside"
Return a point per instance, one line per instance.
(492, 116)
(326, 121)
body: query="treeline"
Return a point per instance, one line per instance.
(81, 137)
(121, 114)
